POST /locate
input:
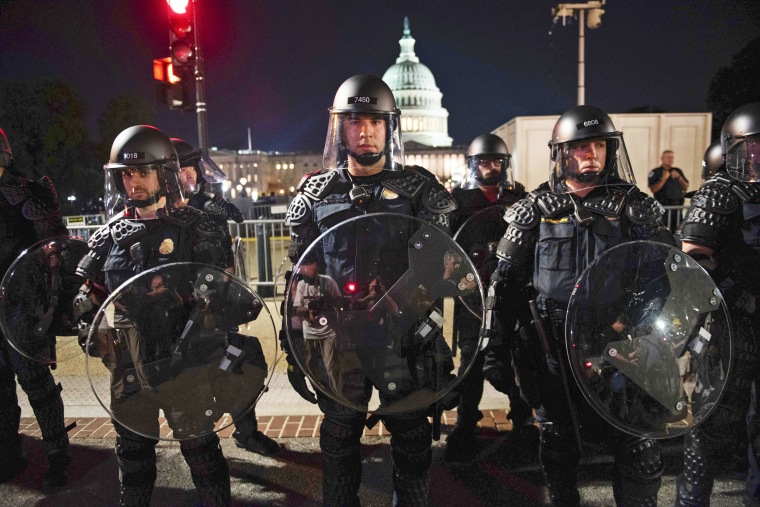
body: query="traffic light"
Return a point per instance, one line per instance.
(171, 89)
(181, 36)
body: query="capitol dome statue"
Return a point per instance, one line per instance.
(423, 119)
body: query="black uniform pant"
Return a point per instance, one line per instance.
(136, 454)
(44, 397)
(339, 441)
(636, 474)
(708, 446)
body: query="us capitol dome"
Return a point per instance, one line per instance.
(423, 119)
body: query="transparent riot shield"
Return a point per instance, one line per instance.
(649, 339)
(479, 236)
(36, 313)
(185, 341)
(239, 256)
(374, 297)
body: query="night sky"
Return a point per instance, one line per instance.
(274, 66)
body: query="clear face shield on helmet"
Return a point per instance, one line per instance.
(743, 159)
(141, 187)
(365, 139)
(589, 163)
(204, 170)
(488, 171)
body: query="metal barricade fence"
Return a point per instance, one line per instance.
(674, 215)
(266, 245)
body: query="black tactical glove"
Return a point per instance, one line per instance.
(298, 380)
(234, 213)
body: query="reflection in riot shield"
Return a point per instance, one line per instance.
(172, 339)
(372, 311)
(635, 338)
(238, 253)
(37, 291)
(479, 236)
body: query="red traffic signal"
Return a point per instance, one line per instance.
(181, 32)
(178, 6)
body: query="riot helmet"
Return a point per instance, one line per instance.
(488, 163)
(136, 152)
(6, 156)
(206, 171)
(712, 160)
(364, 125)
(740, 140)
(587, 151)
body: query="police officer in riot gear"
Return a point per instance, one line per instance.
(489, 183)
(364, 174)
(197, 172)
(712, 161)
(721, 232)
(149, 226)
(29, 212)
(589, 205)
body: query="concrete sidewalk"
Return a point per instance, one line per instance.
(505, 472)
(281, 412)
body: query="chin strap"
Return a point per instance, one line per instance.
(367, 158)
(489, 182)
(587, 177)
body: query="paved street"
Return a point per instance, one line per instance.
(505, 470)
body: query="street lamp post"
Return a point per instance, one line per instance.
(593, 20)
(200, 85)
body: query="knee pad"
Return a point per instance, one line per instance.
(136, 456)
(37, 381)
(339, 442)
(205, 458)
(639, 460)
(411, 441)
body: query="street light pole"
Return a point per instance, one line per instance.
(593, 20)
(200, 85)
(581, 57)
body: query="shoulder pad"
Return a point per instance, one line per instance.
(39, 208)
(100, 241)
(747, 192)
(125, 232)
(716, 195)
(181, 217)
(317, 185)
(15, 194)
(438, 200)
(523, 214)
(299, 210)
(610, 205)
(643, 209)
(407, 183)
(552, 205)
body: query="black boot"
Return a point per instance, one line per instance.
(57, 473)
(461, 444)
(13, 466)
(247, 436)
(256, 442)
